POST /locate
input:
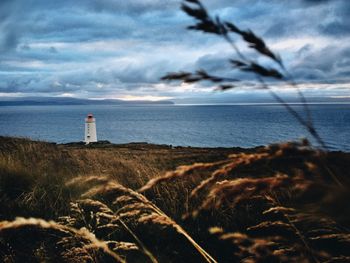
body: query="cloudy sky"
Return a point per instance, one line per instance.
(120, 49)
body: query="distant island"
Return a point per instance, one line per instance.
(32, 101)
(231, 99)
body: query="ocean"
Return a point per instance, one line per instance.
(178, 125)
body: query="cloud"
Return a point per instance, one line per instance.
(339, 23)
(8, 36)
(326, 64)
(107, 48)
(313, 2)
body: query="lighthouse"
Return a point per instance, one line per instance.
(90, 129)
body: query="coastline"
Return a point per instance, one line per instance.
(105, 144)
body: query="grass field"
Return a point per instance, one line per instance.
(156, 203)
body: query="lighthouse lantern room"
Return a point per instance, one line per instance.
(90, 129)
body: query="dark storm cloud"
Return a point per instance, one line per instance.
(215, 63)
(339, 24)
(316, 1)
(327, 64)
(8, 36)
(109, 48)
(278, 29)
(132, 6)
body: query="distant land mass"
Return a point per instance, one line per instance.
(28, 101)
(260, 99)
(230, 99)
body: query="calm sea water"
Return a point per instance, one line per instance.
(213, 126)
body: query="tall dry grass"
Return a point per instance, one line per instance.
(43, 180)
(145, 224)
(33, 174)
(36, 240)
(270, 204)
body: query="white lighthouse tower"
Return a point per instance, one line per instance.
(90, 129)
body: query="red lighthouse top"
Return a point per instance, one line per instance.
(90, 118)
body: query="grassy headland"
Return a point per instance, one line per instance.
(34, 173)
(158, 203)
